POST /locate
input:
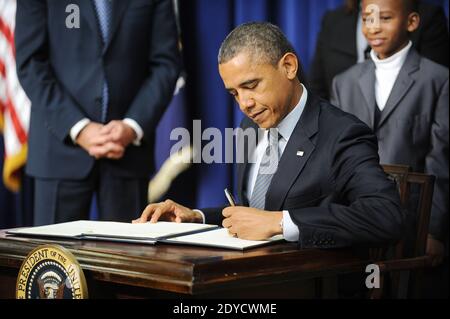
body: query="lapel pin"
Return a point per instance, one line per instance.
(300, 153)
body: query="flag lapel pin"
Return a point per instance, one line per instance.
(300, 153)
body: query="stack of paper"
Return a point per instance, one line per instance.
(147, 233)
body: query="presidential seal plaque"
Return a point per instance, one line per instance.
(51, 272)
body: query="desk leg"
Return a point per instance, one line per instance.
(8, 279)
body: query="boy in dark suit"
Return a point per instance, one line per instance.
(334, 54)
(403, 97)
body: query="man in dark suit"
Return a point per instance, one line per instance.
(325, 187)
(341, 43)
(99, 74)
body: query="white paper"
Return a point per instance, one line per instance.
(112, 229)
(220, 238)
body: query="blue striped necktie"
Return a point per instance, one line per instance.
(267, 168)
(104, 15)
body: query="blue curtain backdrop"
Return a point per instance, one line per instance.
(204, 25)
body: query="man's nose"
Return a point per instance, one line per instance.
(246, 102)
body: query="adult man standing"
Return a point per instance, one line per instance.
(327, 188)
(98, 89)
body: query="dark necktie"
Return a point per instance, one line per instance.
(104, 15)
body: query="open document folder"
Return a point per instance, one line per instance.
(147, 233)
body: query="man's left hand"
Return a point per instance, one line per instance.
(251, 223)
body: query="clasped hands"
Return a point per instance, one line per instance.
(106, 141)
(242, 222)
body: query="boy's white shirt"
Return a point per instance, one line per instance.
(386, 73)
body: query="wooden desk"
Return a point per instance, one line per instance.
(116, 270)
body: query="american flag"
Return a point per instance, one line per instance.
(14, 104)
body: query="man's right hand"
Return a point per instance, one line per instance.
(98, 144)
(169, 211)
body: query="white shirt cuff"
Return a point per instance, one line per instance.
(290, 229)
(137, 129)
(201, 213)
(77, 128)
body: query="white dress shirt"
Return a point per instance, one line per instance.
(386, 73)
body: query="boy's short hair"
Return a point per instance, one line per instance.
(411, 6)
(352, 6)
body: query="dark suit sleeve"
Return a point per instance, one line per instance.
(35, 72)
(157, 91)
(369, 210)
(436, 163)
(317, 80)
(433, 34)
(213, 216)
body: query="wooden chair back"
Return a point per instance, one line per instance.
(408, 255)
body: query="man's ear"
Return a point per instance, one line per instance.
(413, 21)
(289, 64)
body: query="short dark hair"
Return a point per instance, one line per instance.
(352, 6)
(411, 6)
(265, 41)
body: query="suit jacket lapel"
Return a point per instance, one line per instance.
(402, 84)
(367, 86)
(119, 7)
(87, 7)
(291, 165)
(242, 168)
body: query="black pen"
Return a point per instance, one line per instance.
(229, 197)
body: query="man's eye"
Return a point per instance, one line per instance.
(386, 18)
(252, 85)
